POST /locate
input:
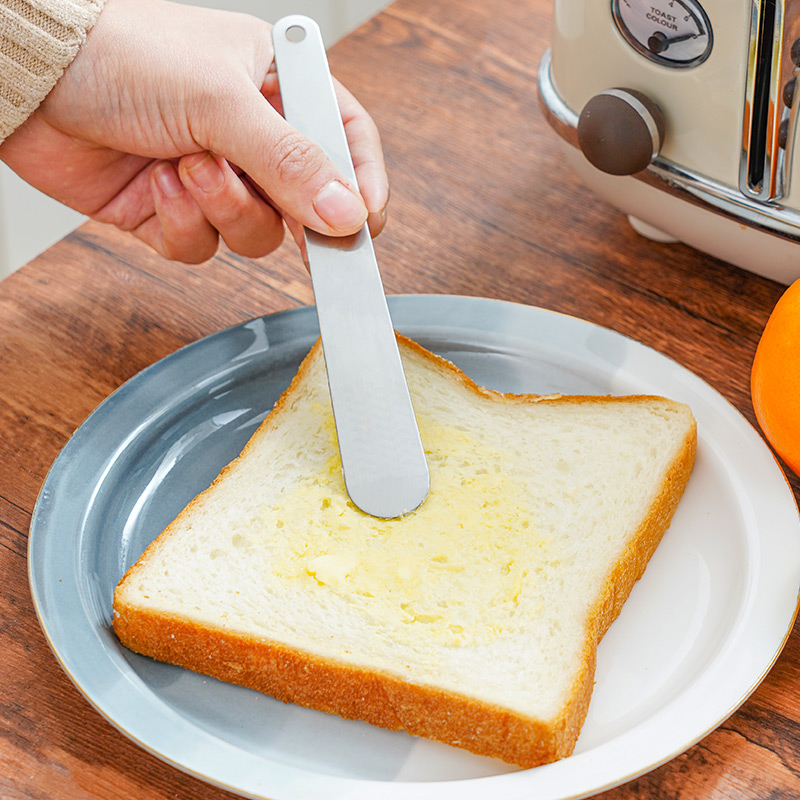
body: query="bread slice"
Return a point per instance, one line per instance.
(474, 620)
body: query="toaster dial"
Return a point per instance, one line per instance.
(675, 33)
(620, 131)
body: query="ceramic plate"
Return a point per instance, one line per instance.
(698, 634)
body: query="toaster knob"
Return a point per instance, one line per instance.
(620, 131)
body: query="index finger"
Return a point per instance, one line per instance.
(364, 141)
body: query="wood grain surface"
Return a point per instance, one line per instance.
(482, 205)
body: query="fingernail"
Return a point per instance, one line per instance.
(167, 180)
(376, 221)
(206, 174)
(339, 207)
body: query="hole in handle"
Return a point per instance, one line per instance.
(296, 33)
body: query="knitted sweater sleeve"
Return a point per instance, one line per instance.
(38, 41)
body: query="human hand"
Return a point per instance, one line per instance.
(168, 125)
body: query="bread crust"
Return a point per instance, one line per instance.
(387, 699)
(380, 698)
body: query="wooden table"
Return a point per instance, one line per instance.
(482, 205)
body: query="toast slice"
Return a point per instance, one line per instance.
(474, 620)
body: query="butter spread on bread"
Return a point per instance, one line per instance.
(474, 620)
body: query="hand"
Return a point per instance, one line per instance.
(168, 124)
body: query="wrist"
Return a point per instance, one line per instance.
(40, 40)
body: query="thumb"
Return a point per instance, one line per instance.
(292, 171)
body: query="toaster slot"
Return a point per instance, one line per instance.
(769, 113)
(757, 156)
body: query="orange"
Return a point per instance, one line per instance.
(775, 378)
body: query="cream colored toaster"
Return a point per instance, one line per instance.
(683, 114)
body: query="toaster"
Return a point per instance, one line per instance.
(683, 114)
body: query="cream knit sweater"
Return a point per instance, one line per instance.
(38, 41)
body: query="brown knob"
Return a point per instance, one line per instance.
(620, 131)
(794, 52)
(789, 90)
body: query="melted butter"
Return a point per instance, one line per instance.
(454, 569)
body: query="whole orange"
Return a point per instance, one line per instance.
(775, 378)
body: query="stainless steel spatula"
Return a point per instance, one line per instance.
(384, 464)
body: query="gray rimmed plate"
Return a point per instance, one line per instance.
(698, 634)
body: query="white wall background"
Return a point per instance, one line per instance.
(30, 222)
